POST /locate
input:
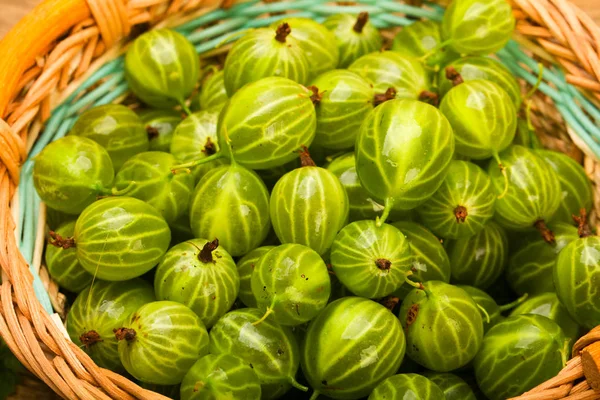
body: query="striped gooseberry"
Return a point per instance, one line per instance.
(403, 152)
(231, 203)
(308, 206)
(98, 311)
(71, 172)
(212, 92)
(463, 203)
(355, 36)
(116, 128)
(453, 386)
(160, 125)
(518, 354)
(270, 349)
(371, 261)
(292, 283)
(443, 326)
(480, 259)
(423, 39)
(120, 238)
(350, 347)
(526, 136)
(491, 312)
(407, 386)
(245, 267)
(478, 28)
(161, 341)
(224, 376)
(201, 275)
(162, 68)
(263, 53)
(148, 176)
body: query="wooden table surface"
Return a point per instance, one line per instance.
(13, 10)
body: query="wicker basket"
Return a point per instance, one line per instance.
(65, 56)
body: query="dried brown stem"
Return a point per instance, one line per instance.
(583, 229)
(361, 21)
(380, 98)
(461, 214)
(316, 96)
(90, 338)
(206, 255)
(383, 264)
(546, 233)
(210, 147)
(429, 97)
(59, 241)
(283, 32)
(125, 334)
(152, 132)
(454, 76)
(305, 158)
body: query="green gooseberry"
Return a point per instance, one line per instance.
(263, 53)
(71, 172)
(161, 341)
(148, 176)
(576, 188)
(160, 125)
(480, 259)
(518, 354)
(371, 261)
(116, 128)
(317, 42)
(195, 138)
(292, 283)
(345, 100)
(533, 194)
(475, 68)
(119, 238)
(350, 347)
(483, 117)
(231, 203)
(430, 261)
(463, 203)
(443, 326)
(162, 68)
(213, 93)
(453, 386)
(491, 312)
(526, 136)
(270, 349)
(388, 69)
(216, 377)
(55, 218)
(245, 267)
(407, 386)
(61, 260)
(576, 279)
(309, 206)
(100, 309)
(532, 261)
(403, 152)
(423, 39)
(355, 36)
(548, 305)
(200, 275)
(478, 28)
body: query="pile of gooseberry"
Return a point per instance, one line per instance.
(321, 217)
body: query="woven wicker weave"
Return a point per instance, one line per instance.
(65, 57)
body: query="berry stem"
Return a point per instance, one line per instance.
(383, 264)
(90, 338)
(195, 163)
(546, 233)
(484, 312)
(512, 305)
(433, 51)
(283, 32)
(504, 174)
(361, 21)
(388, 204)
(315, 395)
(125, 334)
(461, 214)
(305, 158)
(205, 254)
(59, 241)
(296, 384)
(380, 98)
(124, 191)
(429, 97)
(316, 96)
(210, 147)
(583, 229)
(416, 285)
(152, 132)
(264, 317)
(184, 107)
(454, 76)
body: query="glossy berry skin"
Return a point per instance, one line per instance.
(215, 377)
(116, 128)
(463, 203)
(309, 206)
(532, 261)
(269, 348)
(533, 192)
(477, 28)
(403, 386)
(576, 187)
(352, 44)
(148, 176)
(213, 93)
(267, 56)
(421, 38)
(167, 334)
(162, 68)
(246, 266)
(207, 284)
(292, 281)
(454, 387)
(119, 238)
(101, 308)
(267, 123)
(371, 261)
(576, 276)
(443, 327)
(345, 102)
(518, 354)
(389, 69)
(63, 266)
(483, 117)
(403, 152)
(160, 125)
(231, 203)
(71, 172)
(486, 302)
(350, 347)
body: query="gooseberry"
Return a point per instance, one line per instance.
(355, 36)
